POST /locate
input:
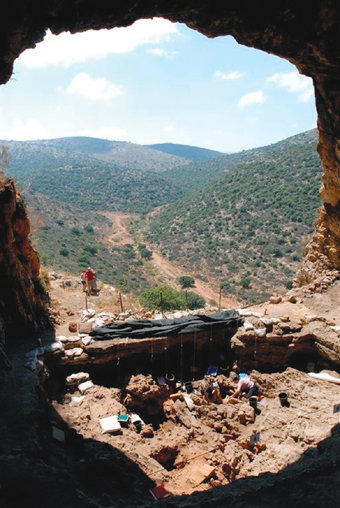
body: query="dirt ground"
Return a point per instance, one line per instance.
(205, 454)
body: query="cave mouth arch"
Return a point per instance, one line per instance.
(308, 39)
(213, 47)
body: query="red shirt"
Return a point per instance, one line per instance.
(89, 275)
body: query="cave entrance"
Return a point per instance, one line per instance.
(90, 93)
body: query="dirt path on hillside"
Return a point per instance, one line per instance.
(119, 234)
(172, 272)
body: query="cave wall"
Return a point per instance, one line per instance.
(23, 299)
(308, 35)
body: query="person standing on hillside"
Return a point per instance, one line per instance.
(90, 276)
(83, 281)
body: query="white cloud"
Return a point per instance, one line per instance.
(162, 52)
(112, 133)
(232, 76)
(94, 89)
(294, 83)
(169, 128)
(27, 130)
(252, 98)
(66, 49)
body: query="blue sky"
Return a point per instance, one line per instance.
(155, 82)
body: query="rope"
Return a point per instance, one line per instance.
(118, 365)
(181, 357)
(166, 354)
(255, 352)
(151, 357)
(194, 362)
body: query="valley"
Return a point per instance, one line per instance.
(236, 223)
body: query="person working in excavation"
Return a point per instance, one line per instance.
(245, 385)
(212, 393)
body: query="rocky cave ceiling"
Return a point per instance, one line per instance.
(306, 34)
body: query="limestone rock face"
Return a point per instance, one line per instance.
(307, 36)
(22, 297)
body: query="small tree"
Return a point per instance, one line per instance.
(186, 281)
(162, 298)
(245, 283)
(195, 301)
(144, 252)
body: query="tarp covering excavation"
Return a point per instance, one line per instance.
(146, 328)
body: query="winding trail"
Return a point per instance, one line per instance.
(170, 271)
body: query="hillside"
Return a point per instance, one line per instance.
(239, 220)
(70, 170)
(197, 175)
(192, 153)
(75, 151)
(71, 239)
(101, 188)
(248, 227)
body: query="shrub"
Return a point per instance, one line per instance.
(63, 252)
(90, 249)
(128, 251)
(144, 252)
(195, 301)
(186, 281)
(162, 298)
(245, 283)
(75, 231)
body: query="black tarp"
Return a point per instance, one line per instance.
(145, 328)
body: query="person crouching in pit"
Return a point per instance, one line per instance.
(245, 386)
(212, 393)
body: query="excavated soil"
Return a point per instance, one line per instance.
(203, 454)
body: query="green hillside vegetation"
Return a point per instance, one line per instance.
(239, 220)
(27, 157)
(63, 169)
(71, 239)
(165, 299)
(106, 188)
(195, 176)
(192, 153)
(246, 229)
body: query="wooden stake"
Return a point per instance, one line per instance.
(121, 302)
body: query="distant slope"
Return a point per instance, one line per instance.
(58, 168)
(106, 188)
(192, 153)
(247, 228)
(120, 153)
(195, 176)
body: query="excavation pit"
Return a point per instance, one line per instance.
(190, 444)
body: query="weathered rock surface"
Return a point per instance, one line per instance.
(23, 300)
